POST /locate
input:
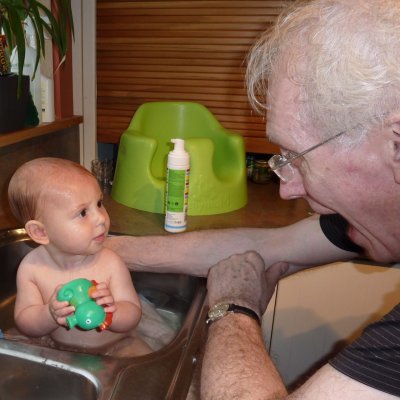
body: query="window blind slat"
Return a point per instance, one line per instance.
(191, 50)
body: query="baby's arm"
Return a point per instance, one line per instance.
(119, 296)
(32, 316)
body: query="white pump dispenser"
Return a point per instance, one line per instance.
(177, 194)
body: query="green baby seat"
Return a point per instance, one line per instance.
(217, 159)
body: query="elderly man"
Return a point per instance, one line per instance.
(333, 101)
(329, 77)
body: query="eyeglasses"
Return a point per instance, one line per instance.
(282, 164)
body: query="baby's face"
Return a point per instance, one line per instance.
(74, 216)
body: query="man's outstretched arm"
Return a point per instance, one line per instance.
(194, 252)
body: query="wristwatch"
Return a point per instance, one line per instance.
(222, 309)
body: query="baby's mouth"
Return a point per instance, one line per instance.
(100, 238)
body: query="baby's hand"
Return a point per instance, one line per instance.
(60, 310)
(103, 297)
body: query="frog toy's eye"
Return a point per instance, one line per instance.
(88, 321)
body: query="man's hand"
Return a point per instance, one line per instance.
(272, 275)
(239, 279)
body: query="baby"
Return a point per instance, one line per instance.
(60, 204)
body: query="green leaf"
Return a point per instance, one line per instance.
(14, 12)
(15, 24)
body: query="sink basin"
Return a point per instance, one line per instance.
(37, 372)
(22, 378)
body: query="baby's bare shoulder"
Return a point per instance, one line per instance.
(110, 267)
(108, 256)
(33, 268)
(34, 257)
(106, 252)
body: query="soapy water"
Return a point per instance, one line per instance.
(155, 330)
(157, 327)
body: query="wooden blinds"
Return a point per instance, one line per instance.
(178, 50)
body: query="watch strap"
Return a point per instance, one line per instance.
(244, 310)
(234, 308)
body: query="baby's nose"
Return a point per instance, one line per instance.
(101, 216)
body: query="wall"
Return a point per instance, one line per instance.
(63, 144)
(319, 311)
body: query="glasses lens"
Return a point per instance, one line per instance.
(276, 161)
(278, 164)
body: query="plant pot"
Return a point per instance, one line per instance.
(13, 108)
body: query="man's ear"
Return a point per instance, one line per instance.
(395, 150)
(36, 231)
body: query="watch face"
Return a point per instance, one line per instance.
(218, 311)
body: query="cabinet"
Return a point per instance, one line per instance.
(316, 312)
(56, 139)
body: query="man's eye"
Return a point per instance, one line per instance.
(83, 213)
(100, 203)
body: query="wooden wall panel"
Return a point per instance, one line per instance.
(179, 50)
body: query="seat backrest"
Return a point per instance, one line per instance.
(163, 121)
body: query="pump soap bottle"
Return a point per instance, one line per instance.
(177, 193)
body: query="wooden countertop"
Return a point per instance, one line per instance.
(43, 129)
(265, 209)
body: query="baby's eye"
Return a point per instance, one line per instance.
(83, 213)
(100, 203)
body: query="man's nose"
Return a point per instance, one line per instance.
(293, 189)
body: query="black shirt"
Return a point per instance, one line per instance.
(374, 358)
(334, 227)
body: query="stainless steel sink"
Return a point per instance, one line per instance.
(36, 378)
(29, 371)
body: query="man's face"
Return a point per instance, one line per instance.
(355, 182)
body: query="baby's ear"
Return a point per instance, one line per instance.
(36, 231)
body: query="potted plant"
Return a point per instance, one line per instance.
(13, 13)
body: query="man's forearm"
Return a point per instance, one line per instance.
(194, 252)
(236, 364)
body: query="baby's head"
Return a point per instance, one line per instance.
(39, 181)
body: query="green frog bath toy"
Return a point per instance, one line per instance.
(88, 314)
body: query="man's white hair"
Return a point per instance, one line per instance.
(343, 54)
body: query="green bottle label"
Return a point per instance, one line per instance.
(176, 190)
